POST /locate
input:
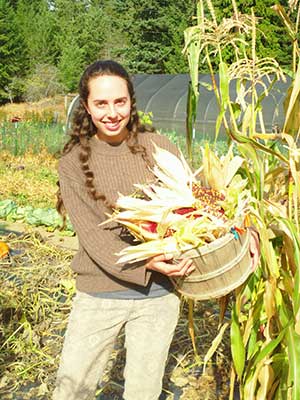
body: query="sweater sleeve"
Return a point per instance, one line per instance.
(101, 243)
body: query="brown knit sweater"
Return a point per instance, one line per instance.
(116, 170)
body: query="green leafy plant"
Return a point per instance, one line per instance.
(49, 217)
(146, 117)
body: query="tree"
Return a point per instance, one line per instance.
(115, 39)
(154, 34)
(96, 29)
(36, 24)
(146, 36)
(11, 51)
(180, 16)
(79, 37)
(70, 64)
(43, 82)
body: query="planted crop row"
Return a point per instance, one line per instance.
(19, 137)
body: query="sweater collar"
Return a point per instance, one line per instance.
(102, 147)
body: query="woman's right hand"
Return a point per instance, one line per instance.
(163, 264)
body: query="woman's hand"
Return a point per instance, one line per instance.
(163, 264)
(254, 248)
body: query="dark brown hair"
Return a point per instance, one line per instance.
(82, 127)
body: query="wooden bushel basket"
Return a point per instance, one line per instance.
(221, 266)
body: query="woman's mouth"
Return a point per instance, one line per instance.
(112, 126)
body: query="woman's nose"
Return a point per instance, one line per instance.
(112, 112)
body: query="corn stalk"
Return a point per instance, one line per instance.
(265, 325)
(292, 101)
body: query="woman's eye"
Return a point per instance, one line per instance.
(121, 102)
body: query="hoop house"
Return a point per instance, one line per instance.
(165, 95)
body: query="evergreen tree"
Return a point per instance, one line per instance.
(36, 23)
(94, 31)
(180, 16)
(10, 51)
(272, 39)
(79, 37)
(154, 34)
(70, 65)
(115, 39)
(143, 26)
(144, 35)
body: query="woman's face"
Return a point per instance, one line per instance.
(109, 106)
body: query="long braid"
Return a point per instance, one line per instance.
(84, 156)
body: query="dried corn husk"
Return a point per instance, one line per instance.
(178, 212)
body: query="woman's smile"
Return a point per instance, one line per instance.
(112, 126)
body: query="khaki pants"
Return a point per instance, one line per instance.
(93, 327)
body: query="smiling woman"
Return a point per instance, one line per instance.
(108, 152)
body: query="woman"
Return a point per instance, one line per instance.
(108, 152)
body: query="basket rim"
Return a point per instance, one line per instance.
(210, 247)
(223, 269)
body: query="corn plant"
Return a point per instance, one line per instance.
(293, 122)
(265, 323)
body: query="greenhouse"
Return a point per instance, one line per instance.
(165, 96)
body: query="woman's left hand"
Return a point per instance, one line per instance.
(254, 248)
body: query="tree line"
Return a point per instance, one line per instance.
(45, 44)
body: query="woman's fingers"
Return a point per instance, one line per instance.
(163, 264)
(184, 267)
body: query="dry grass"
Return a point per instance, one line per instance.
(42, 107)
(34, 305)
(29, 179)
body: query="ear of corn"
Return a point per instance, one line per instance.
(219, 172)
(177, 212)
(149, 249)
(172, 166)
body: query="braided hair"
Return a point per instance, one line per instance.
(82, 127)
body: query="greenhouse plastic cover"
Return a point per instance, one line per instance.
(165, 96)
